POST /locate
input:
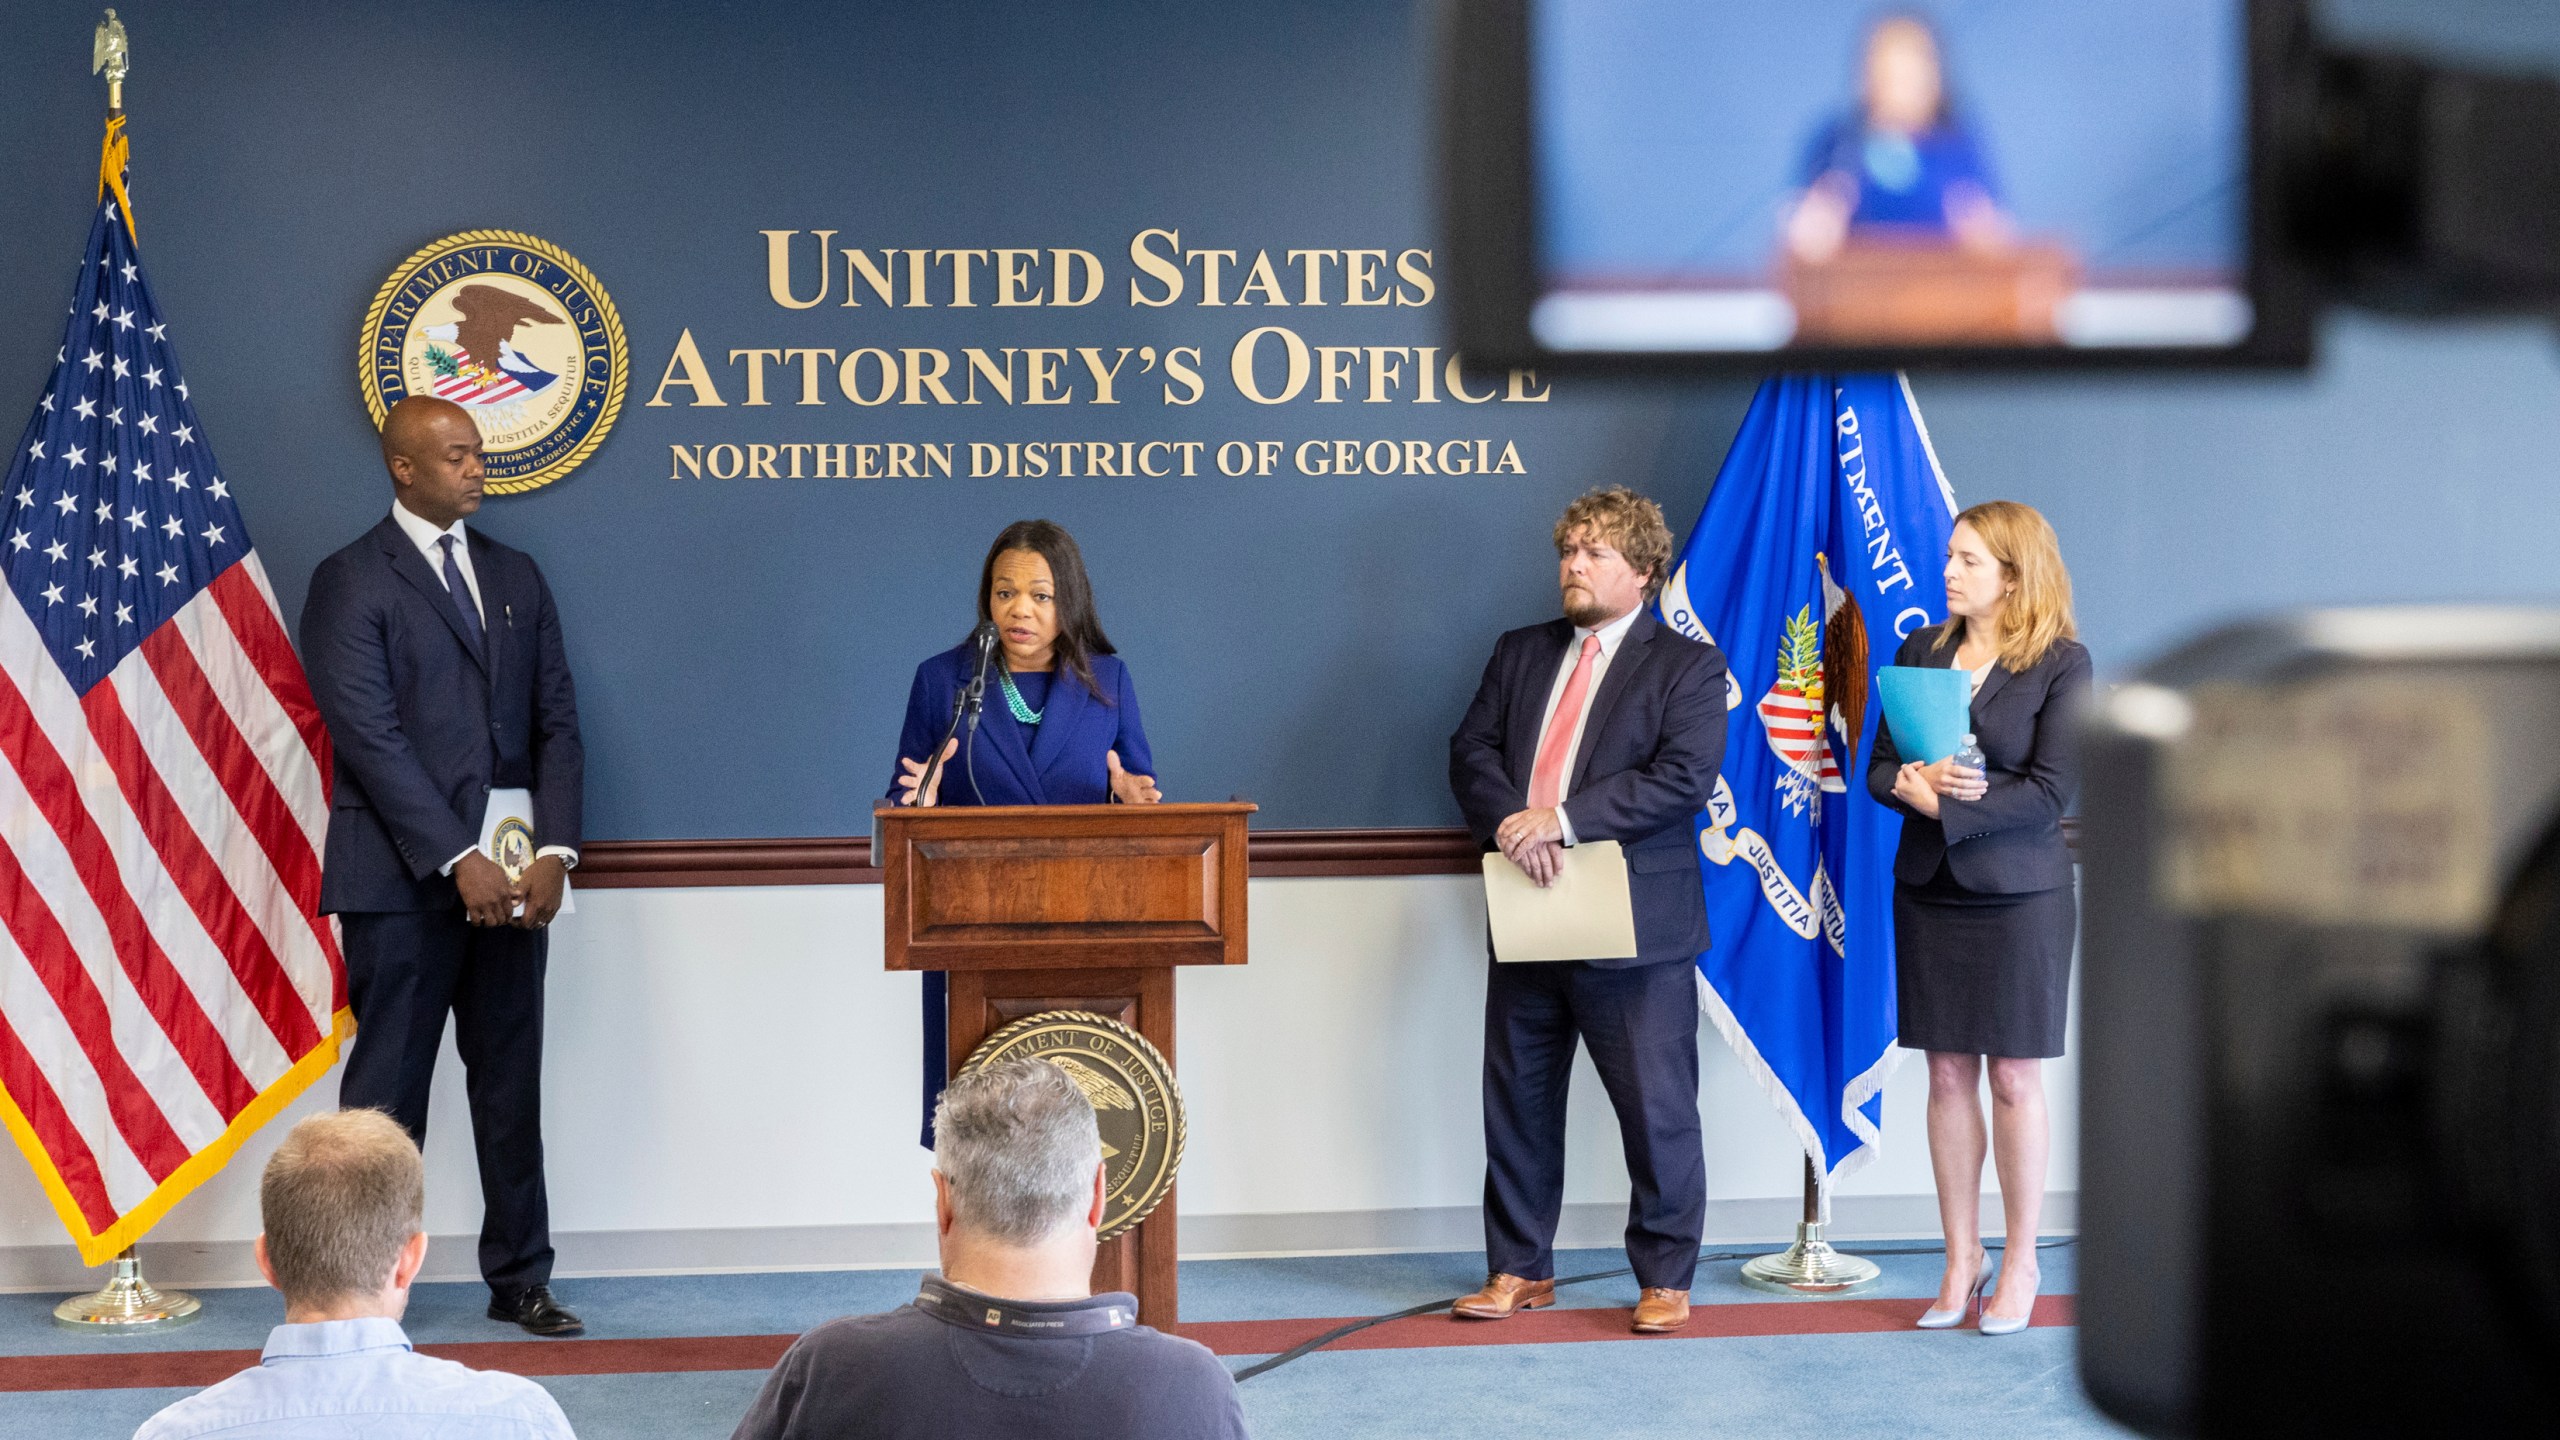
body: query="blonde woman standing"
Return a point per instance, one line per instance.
(1983, 911)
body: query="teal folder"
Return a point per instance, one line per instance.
(1928, 708)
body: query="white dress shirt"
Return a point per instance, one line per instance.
(423, 533)
(1611, 634)
(430, 542)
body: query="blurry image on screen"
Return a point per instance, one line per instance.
(1900, 166)
(1754, 176)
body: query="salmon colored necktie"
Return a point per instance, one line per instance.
(1546, 778)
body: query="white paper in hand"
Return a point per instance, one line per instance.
(1587, 914)
(506, 836)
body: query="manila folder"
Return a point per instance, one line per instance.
(1587, 914)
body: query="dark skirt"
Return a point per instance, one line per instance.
(1983, 974)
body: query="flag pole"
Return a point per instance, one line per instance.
(127, 1302)
(1810, 1266)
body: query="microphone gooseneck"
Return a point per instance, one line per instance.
(965, 706)
(973, 700)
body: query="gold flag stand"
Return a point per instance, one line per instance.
(1810, 1266)
(127, 1303)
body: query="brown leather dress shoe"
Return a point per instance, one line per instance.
(1503, 1294)
(1660, 1311)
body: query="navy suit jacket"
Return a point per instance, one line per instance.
(1056, 762)
(424, 724)
(2009, 842)
(1646, 766)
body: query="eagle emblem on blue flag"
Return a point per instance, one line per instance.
(1816, 708)
(1828, 523)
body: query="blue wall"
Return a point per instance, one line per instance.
(743, 650)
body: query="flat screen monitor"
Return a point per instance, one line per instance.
(1786, 183)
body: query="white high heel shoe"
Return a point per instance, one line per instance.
(1934, 1318)
(2006, 1324)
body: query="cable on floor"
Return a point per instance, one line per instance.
(1308, 1347)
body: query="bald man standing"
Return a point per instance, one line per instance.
(435, 655)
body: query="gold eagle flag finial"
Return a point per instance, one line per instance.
(111, 55)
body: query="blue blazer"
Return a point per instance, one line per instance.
(1056, 762)
(423, 724)
(2009, 842)
(1646, 767)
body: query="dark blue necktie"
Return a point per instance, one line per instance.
(461, 593)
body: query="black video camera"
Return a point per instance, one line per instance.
(2320, 1063)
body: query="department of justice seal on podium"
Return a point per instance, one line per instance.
(514, 330)
(1133, 1094)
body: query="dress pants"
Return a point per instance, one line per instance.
(1641, 1023)
(405, 970)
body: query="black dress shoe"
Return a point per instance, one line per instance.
(537, 1312)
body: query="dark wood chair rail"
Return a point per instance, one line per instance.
(846, 860)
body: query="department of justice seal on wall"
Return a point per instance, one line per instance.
(1133, 1094)
(515, 331)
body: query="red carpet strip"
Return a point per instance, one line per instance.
(194, 1369)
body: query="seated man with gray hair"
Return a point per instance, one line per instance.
(1009, 1339)
(344, 1204)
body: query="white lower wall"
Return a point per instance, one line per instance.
(736, 1060)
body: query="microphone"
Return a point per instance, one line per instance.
(973, 700)
(965, 706)
(985, 638)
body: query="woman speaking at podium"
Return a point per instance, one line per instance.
(1057, 722)
(1900, 164)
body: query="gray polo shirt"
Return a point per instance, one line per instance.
(958, 1364)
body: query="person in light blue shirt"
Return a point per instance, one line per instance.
(344, 1205)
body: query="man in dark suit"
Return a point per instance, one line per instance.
(1604, 725)
(435, 655)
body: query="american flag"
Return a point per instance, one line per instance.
(166, 981)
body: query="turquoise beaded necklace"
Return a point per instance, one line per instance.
(1013, 700)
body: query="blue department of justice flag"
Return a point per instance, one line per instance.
(1823, 543)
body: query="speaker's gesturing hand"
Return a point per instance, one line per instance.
(914, 778)
(1130, 789)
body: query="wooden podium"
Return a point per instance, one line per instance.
(1069, 907)
(1882, 293)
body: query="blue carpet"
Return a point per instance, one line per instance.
(1953, 1383)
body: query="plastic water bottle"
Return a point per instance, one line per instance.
(1969, 755)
